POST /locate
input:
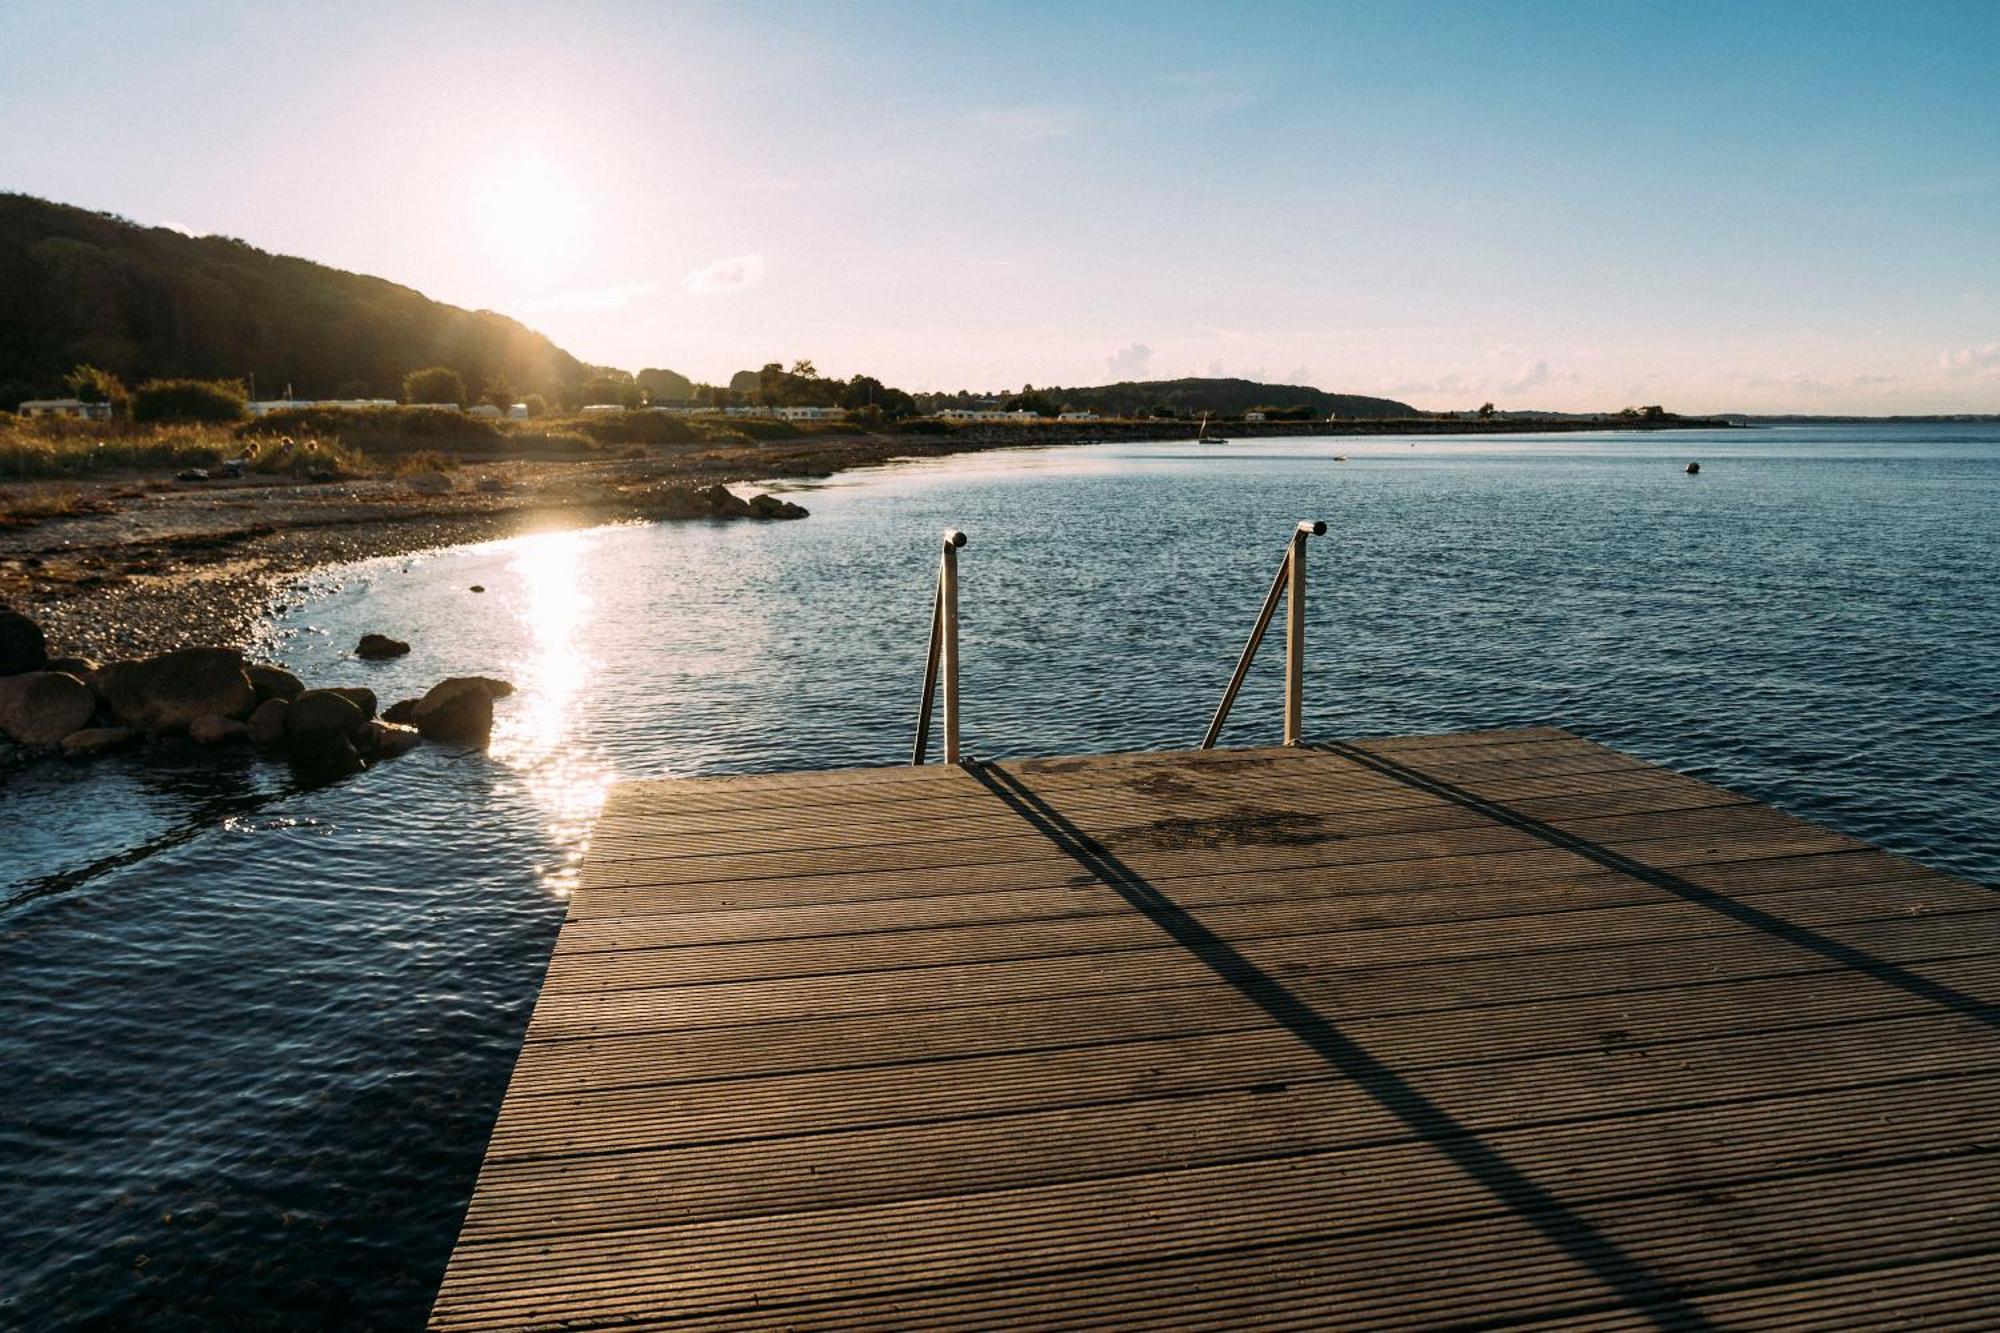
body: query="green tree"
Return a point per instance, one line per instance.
(162, 401)
(609, 387)
(1486, 411)
(537, 405)
(665, 386)
(88, 384)
(499, 391)
(435, 384)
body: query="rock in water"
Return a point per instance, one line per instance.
(1693, 468)
(400, 712)
(267, 724)
(22, 647)
(213, 730)
(360, 696)
(458, 711)
(770, 506)
(322, 713)
(386, 740)
(43, 707)
(495, 686)
(97, 740)
(376, 647)
(273, 682)
(168, 692)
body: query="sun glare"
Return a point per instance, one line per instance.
(531, 216)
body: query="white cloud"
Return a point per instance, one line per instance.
(593, 299)
(1983, 362)
(736, 274)
(1130, 362)
(1537, 374)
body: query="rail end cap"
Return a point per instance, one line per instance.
(953, 537)
(1314, 526)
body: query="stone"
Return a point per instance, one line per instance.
(458, 711)
(42, 707)
(166, 693)
(400, 712)
(376, 647)
(496, 687)
(723, 502)
(267, 724)
(324, 759)
(359, 695)
(1693, 468)
(770, 506)
(191, 474)
(98, 740)
(83, 668)
(213, 730)
(477, 587)
(322, 713)
(386, 740)
(22, 647)
(271, 682)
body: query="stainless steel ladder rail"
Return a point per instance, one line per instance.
(1290, 584)
(943, 654)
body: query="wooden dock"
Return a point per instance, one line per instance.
(1439, 1031)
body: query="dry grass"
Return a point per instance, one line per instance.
(26, 510)
(58, 448)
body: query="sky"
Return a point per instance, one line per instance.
(1744, 206)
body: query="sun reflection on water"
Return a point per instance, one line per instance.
(535, 735)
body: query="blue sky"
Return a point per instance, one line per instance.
(1758, 206)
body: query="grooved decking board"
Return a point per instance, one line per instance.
(1425, 1031)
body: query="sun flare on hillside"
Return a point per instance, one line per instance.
(531, 216)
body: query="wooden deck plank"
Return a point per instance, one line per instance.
(1413, 1030)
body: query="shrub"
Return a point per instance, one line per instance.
(299, 458)
(637, 428)
(537, 405)
(161, 401)
(385, 429)
(921, 426)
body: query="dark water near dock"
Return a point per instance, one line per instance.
(252, 1037)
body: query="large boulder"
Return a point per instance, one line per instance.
(168, 692)
(98, 740)
(272, 682)
(458, 711)
(359, 695)
(722, 502)
(42, 707)
(376, 647)
(213, 730)
(318, 714)
(83, 668)
(267, 724)
(400, 712)
(495, 686)
(22, 647)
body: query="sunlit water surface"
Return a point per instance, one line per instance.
(252, 1036)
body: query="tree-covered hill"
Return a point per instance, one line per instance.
(1223, 398)
(82, 287)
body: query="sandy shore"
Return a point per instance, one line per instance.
(155, 564)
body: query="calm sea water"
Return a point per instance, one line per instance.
(252, 1036)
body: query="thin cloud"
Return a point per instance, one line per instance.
(736, 274)
(1533, 377)
(593, 299)
(1982, 362)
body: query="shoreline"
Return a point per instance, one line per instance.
(146, 566)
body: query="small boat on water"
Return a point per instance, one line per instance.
(1202, 436)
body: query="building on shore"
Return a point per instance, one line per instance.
(812, 413)
(985, 414)
(1078, 416)
(66, 407)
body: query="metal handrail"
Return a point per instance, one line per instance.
(1290, 584)
(943, 653)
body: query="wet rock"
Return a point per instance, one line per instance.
(272, 682)
(360, 696)
(458, 711)
(267, 723)
(400, 712)
(386, 740)
(770, 506)
(213, 730)
(168, 692)
(99, 740)
(493, 486)
(22, 647)
(723, 502)
(1693, 469)
(43, 707)
(83, 668)
(319, 714)
(496, 687)
(477, 587)
(428, 483)
(324, 759)
(376, 647)
(191, 474)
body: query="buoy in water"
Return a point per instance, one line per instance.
(1693, 468)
